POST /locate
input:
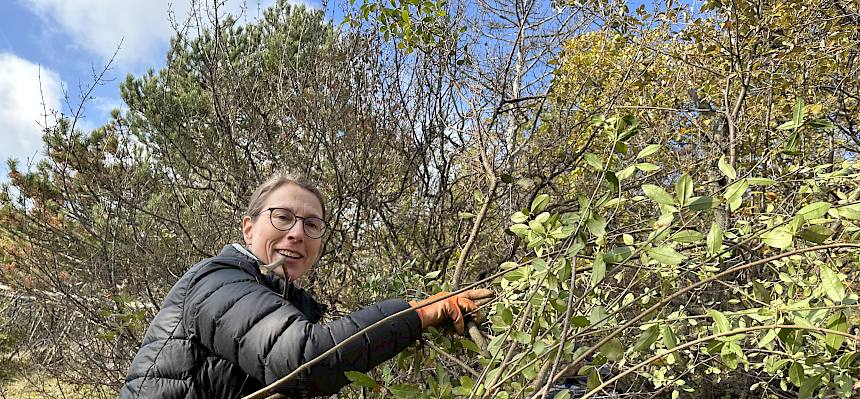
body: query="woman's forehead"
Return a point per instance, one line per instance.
(298, 199)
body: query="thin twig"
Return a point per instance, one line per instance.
(680, 292)
(709, 338)
(448, 356)
(270, 389)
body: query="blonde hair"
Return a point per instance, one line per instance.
(276, 181)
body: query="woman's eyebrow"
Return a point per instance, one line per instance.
(310, 215)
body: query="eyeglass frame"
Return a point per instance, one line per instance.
(296, 220)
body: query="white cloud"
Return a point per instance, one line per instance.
(141, 25)
(24, 86)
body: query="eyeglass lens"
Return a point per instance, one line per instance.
(284, 219)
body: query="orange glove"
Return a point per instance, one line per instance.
(451, 308)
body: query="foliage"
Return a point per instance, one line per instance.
(665, 199)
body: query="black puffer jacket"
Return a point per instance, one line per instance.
(224, 331)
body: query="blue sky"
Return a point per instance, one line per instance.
(50, 49)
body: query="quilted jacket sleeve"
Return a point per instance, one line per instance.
(240, 320)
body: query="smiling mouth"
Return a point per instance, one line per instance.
(290, 254)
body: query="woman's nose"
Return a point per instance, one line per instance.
(297, 232)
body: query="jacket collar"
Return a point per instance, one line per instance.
(300, 298)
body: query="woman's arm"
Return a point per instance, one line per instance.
(238, 319)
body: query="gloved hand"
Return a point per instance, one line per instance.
(451, 308)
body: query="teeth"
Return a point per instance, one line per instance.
(289, 253)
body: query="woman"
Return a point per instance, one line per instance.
(226, 329)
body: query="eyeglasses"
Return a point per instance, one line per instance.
(284, 219)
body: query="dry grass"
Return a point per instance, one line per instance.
(35, 386)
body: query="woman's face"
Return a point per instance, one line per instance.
(268, 243)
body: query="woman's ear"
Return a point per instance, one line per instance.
(247, 229)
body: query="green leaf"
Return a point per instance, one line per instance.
(598, 269)
(683, 189)
(666, 255)
(561, 233)
(521, 337)
(361, 379)
(648, 150)
(516, 275)
(795, 374)
(618, 254)
(791, 145)
(596, 225)
(735, 193)
(769, 336)
(814, 211)
(563, 394)
(543, 217)
(404, 390)
(537, 227)
(593, 381)
(844, 385)
(687, 236)
(847, 360)
(613, 350)
(648, 338)
(715, 238)
(760, 181)
(721, 323)
(631, 128)
(761, 293)
(625, 173)
(799, 112)
(731, 354)
(664, 221)
(703, 203)
(657, 194)
(669, 337)
(519, 217)
(467, 383)
(837, 322)
(519, 229)
(850, 212)
(597, 314)
(670, 340)
(540, 203)
(816, 233)
(580, 321)
(647, 167)
(479, 196)
(432, 274)
(505, 313)
(465, 215)
(593, 161)
(468, 344)
(820, 123)
(832, 284)
(727, 169)
(786, 126)
(779, 237)
(627, 238)
(809, 386)
(775, 365)
(612, 181)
